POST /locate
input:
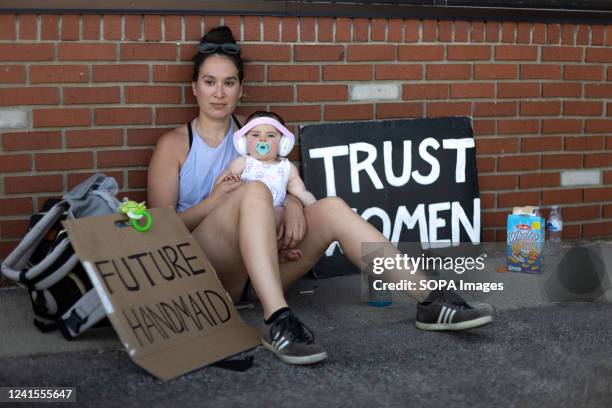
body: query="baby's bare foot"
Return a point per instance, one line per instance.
(289, 255)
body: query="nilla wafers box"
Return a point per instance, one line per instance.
(525, 240)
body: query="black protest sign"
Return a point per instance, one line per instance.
(414, 179)
(160, 292)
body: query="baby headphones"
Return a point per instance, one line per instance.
(286, 142)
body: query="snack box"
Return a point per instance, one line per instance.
(525, 241)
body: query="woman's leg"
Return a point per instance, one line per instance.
(239, 236)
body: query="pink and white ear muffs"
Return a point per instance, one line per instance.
(285, 145)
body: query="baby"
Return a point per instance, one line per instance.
(262, 143)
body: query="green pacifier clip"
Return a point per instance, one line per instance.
(136, 212)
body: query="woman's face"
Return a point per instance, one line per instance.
(218, 88)
(262, 142)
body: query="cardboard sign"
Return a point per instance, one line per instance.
(160, 293)
(414, 179)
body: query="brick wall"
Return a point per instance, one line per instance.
(86, 93)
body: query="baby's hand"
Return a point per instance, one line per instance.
(231, 177)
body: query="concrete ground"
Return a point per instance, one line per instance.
(538, 352)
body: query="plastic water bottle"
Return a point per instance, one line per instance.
(378, 298)
(554, 229)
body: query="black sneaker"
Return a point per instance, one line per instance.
(448, 311)
(292, 341)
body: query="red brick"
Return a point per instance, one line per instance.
(281, 93)
(582, 108)
(487, 200)
(540, 108)
(399, 110)
(16, 206)
(508, 31)
(32, 184)
(61, 117)
(152, 27)
(468, 52)
(583, 72)
(580, 213)
(87, 52)
(598, 160)
(298, 113)
(193, 27)
(561, 126)
(311, 93)
(12, 74)
(597, 229)
(86, 95)
(494, 219)
(132, 27)
(505, 200)
(144, 136)
(31, 140)
(483, 127)
(552, 197)
(137, 179)
(360, 29)
(562, 53)
(541, 144)
(437, 109)
(368, 52)
(411, 32)
(497, 182)
(421, 52)
(123, 158)
(70, 27)
(153, 51)
(539, 33)
(497, 146)
(584, 142)
(7, 27)
(461, 31)
(582, 36)
(445, 31)
(560, 89)
(58, 73)
(562, 161)
(477, 31)
(540, 71)
(378, 28)
(29, 96)
(472, 90)
(122, 116)
(425, 91)
(517, 126)
(493, 109)
(165, 116)
(212, 21)
(485, 164)
(495, 71)
(516, 53)
(518, 90)
(598, 125)
(523, 33)
(553, 33)
(598, 194)
(296, 73)
(271, 28)
(91, 27)
(120, 73)
(394, 30)
(538, 180)
(254, 73)
(598, 90)
(94, 138)
(289, 29)
(112, 27)
(492, 31)
(172, 73)
(429, 28)
(252, 29)
(399, 71)
(13, 228)
(597, 35)
(64, 161)
(26, 52)
(325, 30)
(523, 162)
(594, 54)
(10, 163)
(27, 27)
(172, 28)
(352, 72)
(152, 94)
(268, 52)
(49, 27)
(568, 32)
(348, 112)
(447, 71)
(607, 211)
(307, 29)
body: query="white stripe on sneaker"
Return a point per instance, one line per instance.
(282, 345)
(449, 311)
(440, 316)
(450, 319)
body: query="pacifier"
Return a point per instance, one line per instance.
(262, 148)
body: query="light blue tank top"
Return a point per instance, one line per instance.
(202, 167)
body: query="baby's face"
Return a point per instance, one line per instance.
(262, 142)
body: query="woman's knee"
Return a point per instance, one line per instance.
(331, 206)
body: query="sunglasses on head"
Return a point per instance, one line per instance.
(228, 48)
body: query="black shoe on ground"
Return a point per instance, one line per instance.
(446, 310)
(292, 341)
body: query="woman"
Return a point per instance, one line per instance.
(234, 221)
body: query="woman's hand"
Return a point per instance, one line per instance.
(293, 223)
(224, 184)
